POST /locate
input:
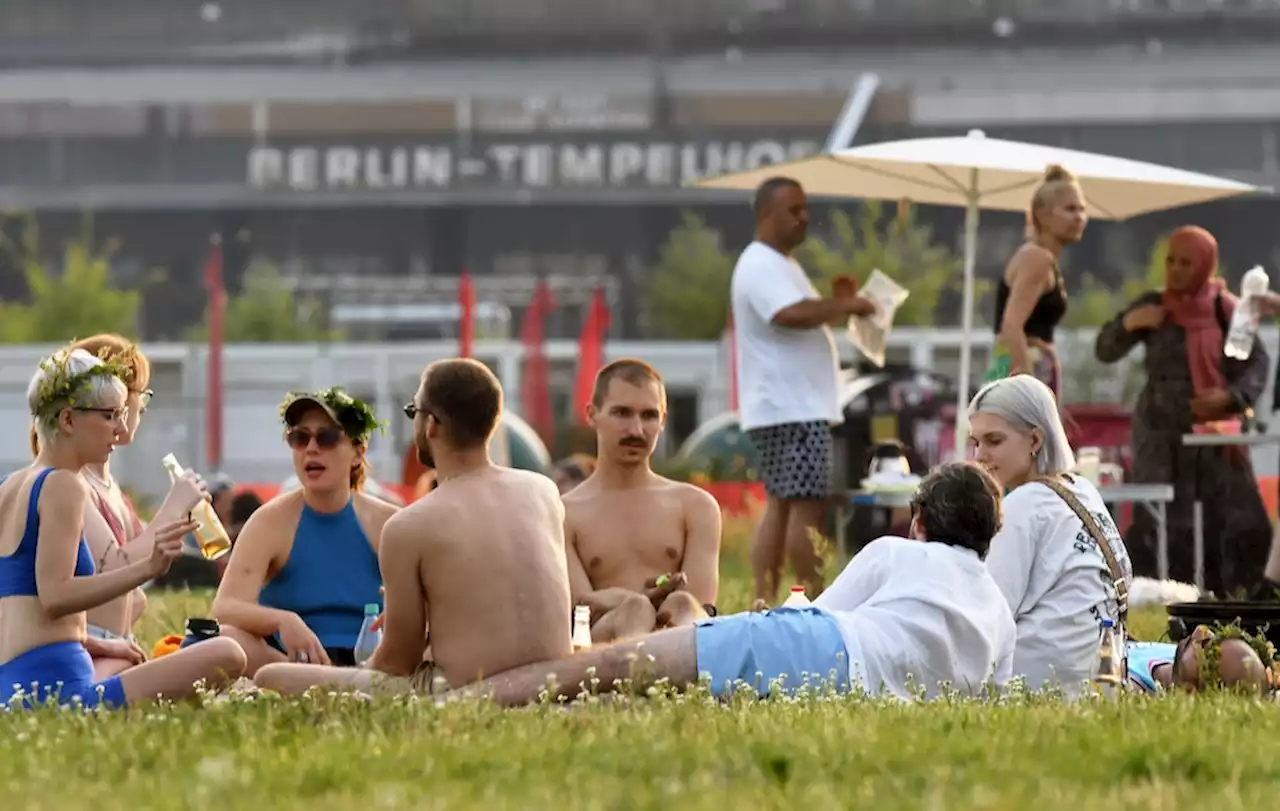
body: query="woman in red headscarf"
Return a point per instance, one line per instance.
(1193, 388)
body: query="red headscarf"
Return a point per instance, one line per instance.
(1195, 309)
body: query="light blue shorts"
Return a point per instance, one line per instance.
(795, 645)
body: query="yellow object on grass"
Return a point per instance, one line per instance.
(166, 646)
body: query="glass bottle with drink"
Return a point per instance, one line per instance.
(1109, 669)
(209, 533)
(581, 628)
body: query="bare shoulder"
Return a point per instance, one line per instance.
(275, 516)
(696, 498)
(1030, 264)
(377, 509)
(536, 482)
(65, 484)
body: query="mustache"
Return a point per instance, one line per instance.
(634, 442)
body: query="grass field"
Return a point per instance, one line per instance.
(348, 754)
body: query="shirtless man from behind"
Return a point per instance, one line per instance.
(644, 551)
(480, 559)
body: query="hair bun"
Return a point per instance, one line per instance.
(1055, 172)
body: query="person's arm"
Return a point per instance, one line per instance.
(772, 292)
(579, 583)
(862, 577)
(404, 628)
(184, 494)
(236, 602)
(61, 593)
(1014, 548)
(1032, 275)
(1121, 334)
(701, 545)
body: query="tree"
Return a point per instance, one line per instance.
(268, 312)
(689, 286)
(903, 250)
(77, 303)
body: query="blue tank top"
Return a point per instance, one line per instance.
(18, 571)
(331, 573)
(1144, 657)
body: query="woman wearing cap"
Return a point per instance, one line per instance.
(116, 536)
(306, 564)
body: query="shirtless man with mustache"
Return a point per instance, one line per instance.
(643, 550)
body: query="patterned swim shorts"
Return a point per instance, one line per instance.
(796, 459)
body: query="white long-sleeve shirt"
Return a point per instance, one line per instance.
(916, 614)
(1056, 581)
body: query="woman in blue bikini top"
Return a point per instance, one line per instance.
(47, 575)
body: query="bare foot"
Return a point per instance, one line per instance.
(759, 605)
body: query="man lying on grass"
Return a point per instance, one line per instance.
(1227, 658)
(480, 558)
(904, 616)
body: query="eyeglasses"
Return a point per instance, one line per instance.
(144, 398)
(120, 414)
(325, 438)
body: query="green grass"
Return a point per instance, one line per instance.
(345, 753)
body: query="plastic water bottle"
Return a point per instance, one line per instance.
(1244, 324)
(581, 628)
(797, 598)
(369, 639)
(1109, 665)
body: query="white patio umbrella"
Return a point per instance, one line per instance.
(979, 172)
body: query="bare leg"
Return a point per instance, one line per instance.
(216, 662)
(106, 668)
(255, 648)
(767, 549)
(674, 655)
(680, 608)
(290, 679)
(634, 616)
(803, 516)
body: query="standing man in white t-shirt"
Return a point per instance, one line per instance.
(788, 386)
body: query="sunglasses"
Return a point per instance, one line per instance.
(325, 438)
(412, 410)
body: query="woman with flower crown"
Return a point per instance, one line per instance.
(116, 536)
(48, 579)
(306, 564)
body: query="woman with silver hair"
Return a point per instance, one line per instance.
(1058, 559)
(48, 579)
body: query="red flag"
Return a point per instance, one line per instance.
(213, 400)
(467, 317)
(535, 382)
(595, 329)
(731, 349)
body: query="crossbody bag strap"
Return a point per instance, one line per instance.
(1091, 526)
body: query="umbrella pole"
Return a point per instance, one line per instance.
(966, 329)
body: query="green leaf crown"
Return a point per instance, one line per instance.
(355, 417)
(61, 388)
(1211, 654)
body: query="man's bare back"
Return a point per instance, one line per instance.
(624, 539)
(480, 560)
(492, 561)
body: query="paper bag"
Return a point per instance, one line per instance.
(870, 333)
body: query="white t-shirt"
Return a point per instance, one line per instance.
(784, 375)
(1056, 581)
(921, 612)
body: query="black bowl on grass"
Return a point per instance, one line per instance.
(1254, 617)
